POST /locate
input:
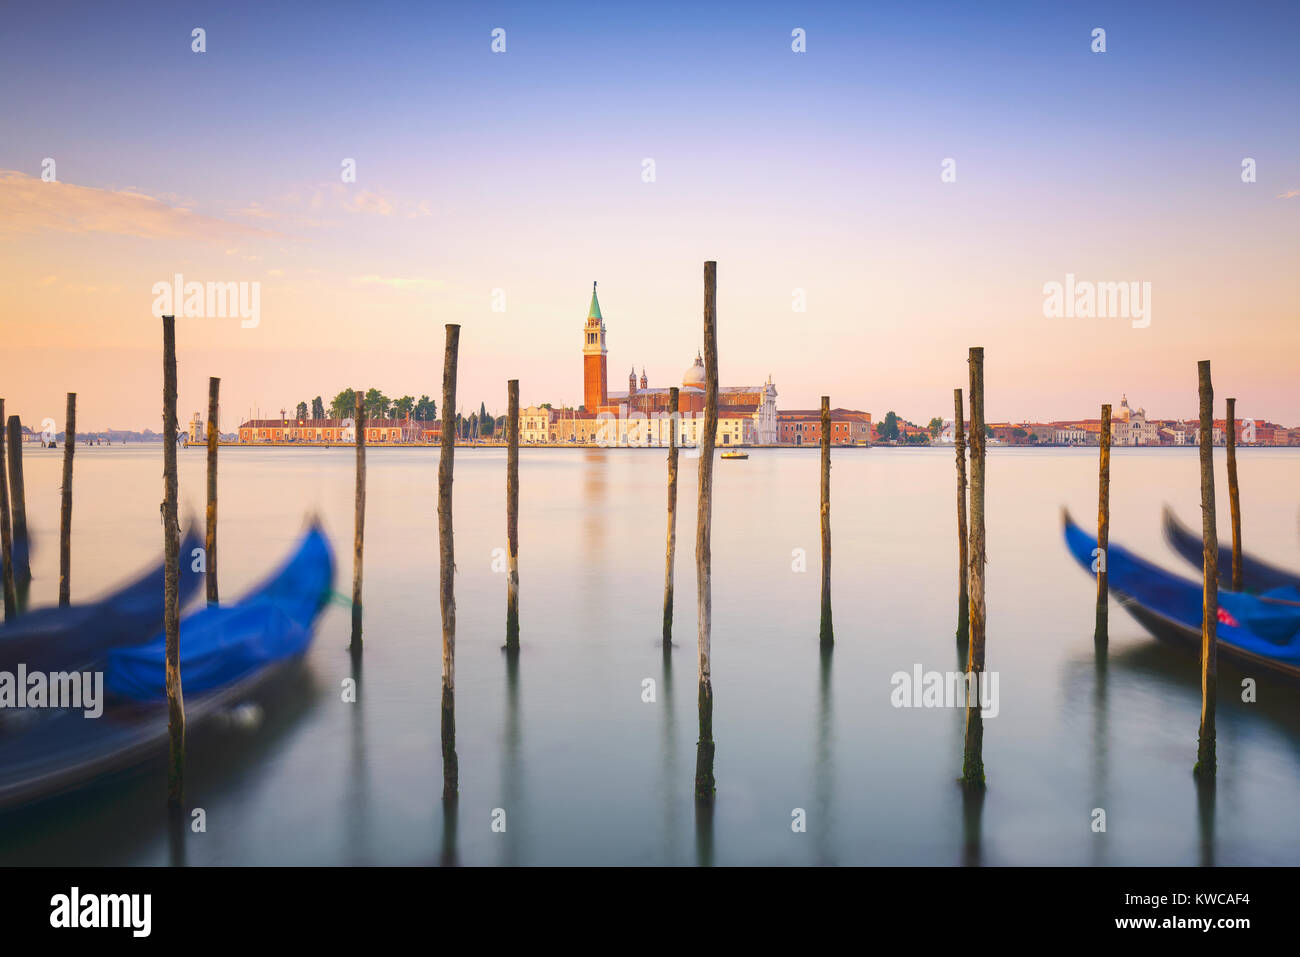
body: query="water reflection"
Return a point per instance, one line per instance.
(704, 833)
(669, 756)
(1100, 740)
(972, 814)
(356, 817)
(823, 766)
(448, 856)
(512, 792)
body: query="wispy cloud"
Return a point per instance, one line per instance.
(1289, 194)
(368, 202)
(29, 204)
(398, 282)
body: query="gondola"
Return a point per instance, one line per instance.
(1257, 576)
(79, 636)
(228, 655)
(1259, 629)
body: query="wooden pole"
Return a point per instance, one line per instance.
(65, 510)
(18, 502)
(1101, 633)
(447, 567)
(512, 516)
(171, 571)
(359, 526)
(827, 630)
(674, 416)
(704, 782)
(973, 759)
(963, 546)
(210, 538)
(6, 537)
(1234, 495)
(1206, 757)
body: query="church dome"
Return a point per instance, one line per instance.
(694, 376)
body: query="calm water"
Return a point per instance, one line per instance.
(588, 773)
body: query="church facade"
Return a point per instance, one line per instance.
(746, 414)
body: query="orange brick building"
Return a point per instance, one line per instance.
(804, 427)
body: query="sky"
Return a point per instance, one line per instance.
(492, 188)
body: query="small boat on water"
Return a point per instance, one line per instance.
(79, 636)
(228, 655)
(1261, 629)
(1257, 576)
(735, 454)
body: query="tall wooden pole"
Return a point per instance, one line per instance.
(210, 538)
(65, 510)
(674, 416)
(973, 759)
(827, 630)
(512, 516)
(963, 545)
(6, 536)
(171, 573)
(447, 567)
(1206, 757)
(704, 782)
(1101, 633)
(18, 502)
(1234, 495)
(359, 525)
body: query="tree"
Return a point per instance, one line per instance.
(317, 408)
(343, 405)
(402, 407)
(376, 404)
(936, 426)
(426, 410)
(888, 429)
(301, 411)
(485, 421)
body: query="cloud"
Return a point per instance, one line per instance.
(1289, 194)
(29, 204)
(397, 282)
(368, 202)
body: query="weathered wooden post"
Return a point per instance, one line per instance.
(827, 630)
(1234, 495)
(704, 782)
(210, 538)
(1206, 757)
(171, 571)
(6, 537)
(512, 516)
(359, 527)
(447, 567)
(65, 510)
(18, 503)
(963, 546)
(973, 759)
(674, 416)
(1101, 633)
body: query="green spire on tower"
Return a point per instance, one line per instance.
(594, 311)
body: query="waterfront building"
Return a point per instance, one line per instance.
(535, 425)
(379, 431)
(804, 427)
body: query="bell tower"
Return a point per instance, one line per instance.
(595, 390)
